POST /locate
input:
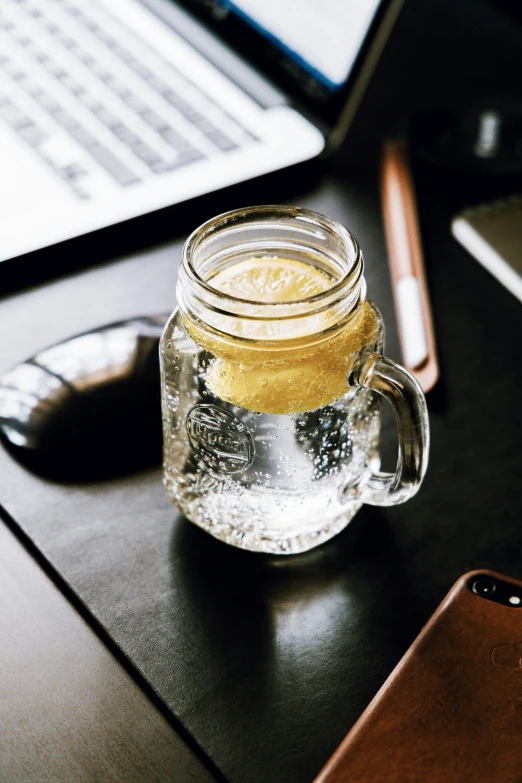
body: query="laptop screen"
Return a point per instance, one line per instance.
(323, 37)
(313, 49)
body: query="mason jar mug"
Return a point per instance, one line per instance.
(271, 371)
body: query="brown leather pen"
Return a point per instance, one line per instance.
(410, 290)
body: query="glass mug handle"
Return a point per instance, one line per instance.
(405, 395)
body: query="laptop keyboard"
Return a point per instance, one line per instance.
(93, 100)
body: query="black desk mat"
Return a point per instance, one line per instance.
(268, 662)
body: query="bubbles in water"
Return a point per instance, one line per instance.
(296, 491)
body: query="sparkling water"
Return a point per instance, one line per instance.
(277, 483)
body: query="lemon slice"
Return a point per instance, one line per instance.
(271, 280)
(290, 380)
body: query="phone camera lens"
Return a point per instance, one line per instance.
(484, 586)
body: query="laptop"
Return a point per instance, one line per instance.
(111, 109)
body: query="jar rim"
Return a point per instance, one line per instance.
(223, 221)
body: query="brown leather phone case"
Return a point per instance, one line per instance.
(451, 711)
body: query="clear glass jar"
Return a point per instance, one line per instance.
(271, 409)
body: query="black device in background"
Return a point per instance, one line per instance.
(475, 154)
(480, 140)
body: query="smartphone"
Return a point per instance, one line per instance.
(492, 233)
(451, 711)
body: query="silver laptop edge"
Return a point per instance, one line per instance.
(108, 113)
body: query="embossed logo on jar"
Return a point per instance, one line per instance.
(219, 439)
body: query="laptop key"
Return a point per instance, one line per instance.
(139, 67)
(176, 140)
(158, 84)
(65, 119)
(83, 137)
(105, 38)
(90, 24)
(74, 87)
(32, 135)
(113, 165)
(35, 12)
(100, 71)
(14, 116)
(74, 10)
(56, 70)
(65, 40)
(85, 57)
(147, 154)
(73, 171)
(217, 137)
(118, 86)
(47, 103)
(14, 71)
(184, 159)
(122, 52)
(89, 101)
(107, 117)
(135, 103)
(32, 89)
(154, 120)
(223, 142)
(177, 102)
(42, 57)
(23, 40)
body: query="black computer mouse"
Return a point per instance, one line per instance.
(88, 408)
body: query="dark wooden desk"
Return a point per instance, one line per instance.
(268, 665)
